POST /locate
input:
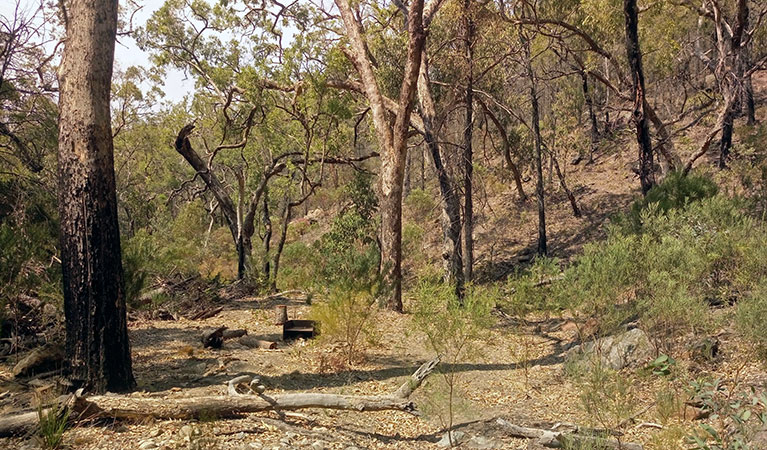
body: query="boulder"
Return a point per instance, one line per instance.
(616, 352)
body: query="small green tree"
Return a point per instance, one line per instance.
(452, 328)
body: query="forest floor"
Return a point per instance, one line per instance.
(518, 374)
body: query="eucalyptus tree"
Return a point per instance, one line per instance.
(392, 135)
(263, 108)
(734, 31)
(97, 342)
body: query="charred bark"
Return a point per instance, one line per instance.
(634, 54)
(97, 342)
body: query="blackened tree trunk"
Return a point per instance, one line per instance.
(539, 194)
(468, 152)
(452, 251)
(634, 53)
(98, 349)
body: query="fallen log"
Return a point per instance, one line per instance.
(554, 439)
(254, 342)
(222, 406)
(234, 334)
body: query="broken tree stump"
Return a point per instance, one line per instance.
(280, 314)
(213, 338)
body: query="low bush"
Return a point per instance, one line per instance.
(750, 320)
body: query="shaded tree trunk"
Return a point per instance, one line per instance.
(468, 151)
(267, 237)
(634, 53)
(592, 116)
(240, 227)
(570, 195)
(507, 152)
(280, 244)
(452, 251)
(97, 344)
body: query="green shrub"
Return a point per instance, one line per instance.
(136, 255)
(452, 328)
(420, 204)
(346, 318)
(750, 319)
(52, 425)
(533, 289)
(675, 192)
(606, 396)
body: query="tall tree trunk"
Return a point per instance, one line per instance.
(468, 152)
(592, 116)
(280, 243)
(730, 70)
(507, 152)
(98, 349)
(452, 251)
(267, 237)
(542, 244)
(634, 53)
(392, 137)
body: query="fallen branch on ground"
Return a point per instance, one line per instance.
(554, 439)
(223, 406)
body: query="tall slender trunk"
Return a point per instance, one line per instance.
(542, 244)
(267, 238)
(97, 345)
(634, 53)
(592, 116)
(507, 152)
(468, 152)
(452, 252)
(280, 244)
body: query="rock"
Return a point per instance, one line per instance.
(615, 352)
(313, 216)
(43, 359)
(319, 445)
(481, 442)
(154, 433)
(146, 445)
(256, 445)
(457, 438)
